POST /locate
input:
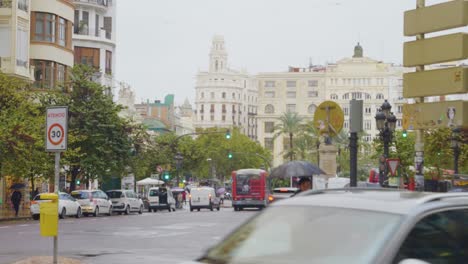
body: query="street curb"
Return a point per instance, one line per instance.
(12, 219)
(47, 260)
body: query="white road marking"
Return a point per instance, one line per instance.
(23, 225)
(4, 226)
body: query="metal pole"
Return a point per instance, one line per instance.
(56, 190)
(456, 153)
(353, 147)
(419, 142)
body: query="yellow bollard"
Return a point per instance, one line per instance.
(49, 215)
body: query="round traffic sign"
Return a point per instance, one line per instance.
(56, 134)
(329, 118)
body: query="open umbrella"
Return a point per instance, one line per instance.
(221, 190)
(296, 168)
(17, 186)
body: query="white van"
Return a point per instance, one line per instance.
(160, 198)
(204, 197)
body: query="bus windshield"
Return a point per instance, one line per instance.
(248, 184)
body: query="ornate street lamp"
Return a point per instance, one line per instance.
(456, 148)
(386, 123)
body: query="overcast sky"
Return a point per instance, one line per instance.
(162, 44)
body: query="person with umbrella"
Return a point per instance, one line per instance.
(304, 184)
(16, 200)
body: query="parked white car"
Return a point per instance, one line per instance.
(160, 198)
(125, 201)
(204, 197)
(67, 206)
(93, 202)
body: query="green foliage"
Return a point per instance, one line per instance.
(290, 125)
(22, 151)
(99, 143)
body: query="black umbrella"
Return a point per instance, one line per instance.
(296, 168)
(17, 186)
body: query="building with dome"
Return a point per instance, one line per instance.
(301, 90)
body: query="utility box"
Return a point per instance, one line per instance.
(49, 214)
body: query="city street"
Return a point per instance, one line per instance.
(160, 237)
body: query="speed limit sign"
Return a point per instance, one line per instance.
(56, 131)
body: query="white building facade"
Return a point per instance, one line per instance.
(94, 38)
(301, 90)
(184, 119)
(225, 97)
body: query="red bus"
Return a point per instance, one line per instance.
(249, 189)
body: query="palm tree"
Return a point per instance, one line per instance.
(290, 124)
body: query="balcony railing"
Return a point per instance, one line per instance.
(5, 3)
(96, 2)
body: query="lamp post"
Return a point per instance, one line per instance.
(386, 122)
(178, 161)
(456, 148)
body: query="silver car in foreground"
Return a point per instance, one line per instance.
(352, 226)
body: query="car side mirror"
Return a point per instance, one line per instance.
(413, 261)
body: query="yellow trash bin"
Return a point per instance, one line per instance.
(49, 214)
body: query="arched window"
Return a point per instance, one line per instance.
(346, 96)
(368, 96)
(379, 96)
(221, 65)
(216, 65)
(224, 95)
(233, 96)
(269, 109)
(311, 109)
(334, 97)
(202, 95)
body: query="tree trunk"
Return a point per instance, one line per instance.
(291, 155)
(74, 174)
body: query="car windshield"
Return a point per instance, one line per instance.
(305, 234)
(115, 194)
(81, 195)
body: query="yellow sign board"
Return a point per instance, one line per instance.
(435, 115)
(435, 82)
(445, 48)
(329, 118)
(438, 17)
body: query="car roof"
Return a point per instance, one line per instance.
(382, 200)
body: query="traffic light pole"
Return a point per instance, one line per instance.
(419, 143)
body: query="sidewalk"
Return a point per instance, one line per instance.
(7, 214)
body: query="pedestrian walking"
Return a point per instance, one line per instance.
(16, 200)
(304, 184)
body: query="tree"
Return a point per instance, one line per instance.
(99, 140)
(290, 124)
(22, 152)
(306, 142)
(245, 153)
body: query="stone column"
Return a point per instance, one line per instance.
(328, 159)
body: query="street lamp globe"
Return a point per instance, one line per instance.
(380, 120)
(391, 120)
(386, 107)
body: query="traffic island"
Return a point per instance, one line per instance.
(47, 260)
